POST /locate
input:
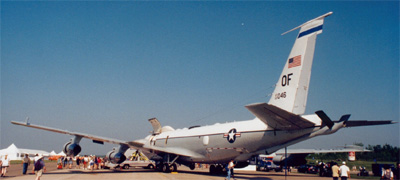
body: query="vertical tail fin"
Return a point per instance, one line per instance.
(291, 89)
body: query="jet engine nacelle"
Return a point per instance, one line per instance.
(292, 160)
(72, 149)
(241, 164)
(116, 157)
(278, 159)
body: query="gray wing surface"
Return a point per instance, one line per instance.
(84, 135)
(278, 118)
(140, 144)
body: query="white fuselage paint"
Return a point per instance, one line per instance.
(251, 137)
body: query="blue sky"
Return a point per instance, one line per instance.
(104, 68)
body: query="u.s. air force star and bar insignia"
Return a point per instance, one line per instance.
(231, 135)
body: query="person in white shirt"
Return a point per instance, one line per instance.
(229, 170)
(5, 164)
(344, 171)
(387, 173)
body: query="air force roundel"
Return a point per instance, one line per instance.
(231, 135)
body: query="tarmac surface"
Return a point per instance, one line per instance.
(15, 173)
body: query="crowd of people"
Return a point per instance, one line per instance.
(85, 162)
(343, 172)
(332, 169)
(92, 163)
(81, 162)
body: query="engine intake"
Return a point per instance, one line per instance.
(116, 157)
(292, 160)
(72, 149)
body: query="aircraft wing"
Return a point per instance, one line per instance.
(98, 139)
(278, 118)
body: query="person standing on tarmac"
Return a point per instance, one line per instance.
(230, 167)
(387, 173)
(25, 163)
(39, 167)
(5, 164)
(344, 171)
(335, 171)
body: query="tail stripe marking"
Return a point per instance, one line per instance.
(304, 33)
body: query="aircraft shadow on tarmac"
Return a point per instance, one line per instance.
(74, 171)
(255, 175)
(239, 175)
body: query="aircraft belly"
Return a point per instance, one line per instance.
(222, 147)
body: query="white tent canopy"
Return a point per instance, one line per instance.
(61, 154)
(53, 153)
(15, 153)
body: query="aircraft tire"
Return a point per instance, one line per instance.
(166, 168)
(192, 166)
(159, 167)
(212, 169)
(173, 168)
(219, 169)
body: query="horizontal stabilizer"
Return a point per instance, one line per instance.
(278, 118)
(313, 151)
(367, 123)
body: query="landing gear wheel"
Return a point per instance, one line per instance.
(219, 169)
(159, 167)
(173, 168)
(192, 166)
(165, 168)
(212, 169)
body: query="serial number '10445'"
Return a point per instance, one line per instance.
(280, 95)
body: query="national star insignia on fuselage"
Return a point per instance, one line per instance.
(231, 135)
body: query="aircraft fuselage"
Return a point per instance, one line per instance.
(221, 142)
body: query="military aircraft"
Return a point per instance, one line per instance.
(277, 124)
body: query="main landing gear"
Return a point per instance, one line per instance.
(216, 169)
(165, 167)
